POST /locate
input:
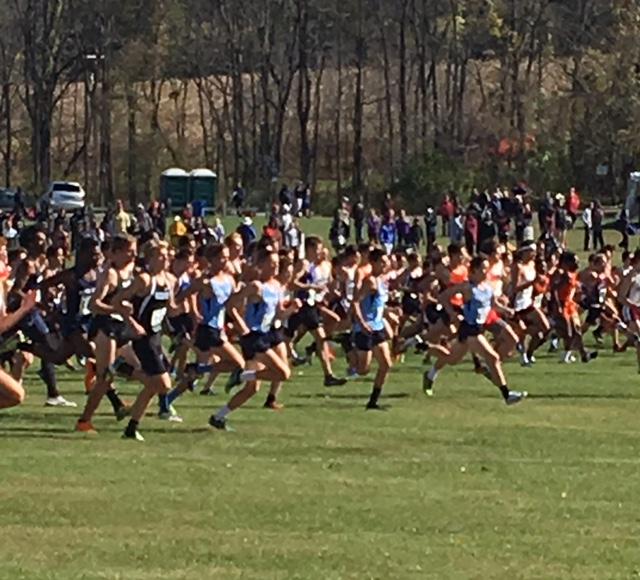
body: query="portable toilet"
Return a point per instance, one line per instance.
(203, 187)
(174, 186)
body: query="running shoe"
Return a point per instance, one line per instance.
(427, 385)
(299, 361)
(59, 401)
(171, 415)
(220, 424)
(589, 356)
(375, 407)
(85, 427)
(123, 412)
(516, 397)
(233, 381)
(332, 381)
(135, 436)
(273, 405)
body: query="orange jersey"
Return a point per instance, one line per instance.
(567, 292)
(458, 275)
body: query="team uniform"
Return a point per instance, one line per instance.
(150, 312)
(259, 318)
(372, 308)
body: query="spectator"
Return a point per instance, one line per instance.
(446, 213)
(588, 225)
(389, 232)
(456, 229)
(284, 196)
(523, 215)
(218, 231)
(299, 194)
(341, 226)
(561, 220)
(293, 237)
(471, 232)
(430, 227)
(358, 215)
(177, 231)
(272, 231)
(306, 201)
(403, 226)
(546, 214)
(121, 219)
(597, 219)
(144, 224)
(238, 197)
(247, 232)
(416, 235)
(373, 227)
(573, 205)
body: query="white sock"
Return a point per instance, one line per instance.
(432, 374)
(248, 376)
(223, 412)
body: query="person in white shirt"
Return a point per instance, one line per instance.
(588, 225)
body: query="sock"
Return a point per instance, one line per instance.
(432, 374)
(202, 369)
(222, 413)
(476, 363)
(114, 399)
(375, 395)
(163, 403)
(271, 399)
(131, 429)
(172, 396)
(48, 375)
(505, 392)
(248, 376)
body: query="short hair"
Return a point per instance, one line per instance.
(121, 242)
(477, 262)
(312, 242)
(376, 255)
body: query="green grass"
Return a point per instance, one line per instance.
(453, 487)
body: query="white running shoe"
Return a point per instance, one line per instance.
(135, 437)
(59, 401)
(172, 416)
(516, 397)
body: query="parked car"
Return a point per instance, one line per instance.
(64, 195)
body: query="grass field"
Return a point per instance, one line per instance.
(454, 487)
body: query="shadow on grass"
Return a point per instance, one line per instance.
(335, 395)
(584, 396)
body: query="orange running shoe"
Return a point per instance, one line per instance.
(90, 376)
(86, 427)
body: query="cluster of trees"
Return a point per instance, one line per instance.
(363, 94)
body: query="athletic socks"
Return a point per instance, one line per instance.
(163, 404)
(504, 390)
(375, 395)
(222, 413)
(432, 374)
(114, 399)
(131, 429)
(271, 399)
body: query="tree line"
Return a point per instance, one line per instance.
(350, 95)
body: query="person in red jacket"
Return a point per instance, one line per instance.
(572, 205)
(446, 212)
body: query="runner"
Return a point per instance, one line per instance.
(478, 300)
(371, 339)
(262, 301)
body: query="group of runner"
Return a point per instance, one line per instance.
(242, 312)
